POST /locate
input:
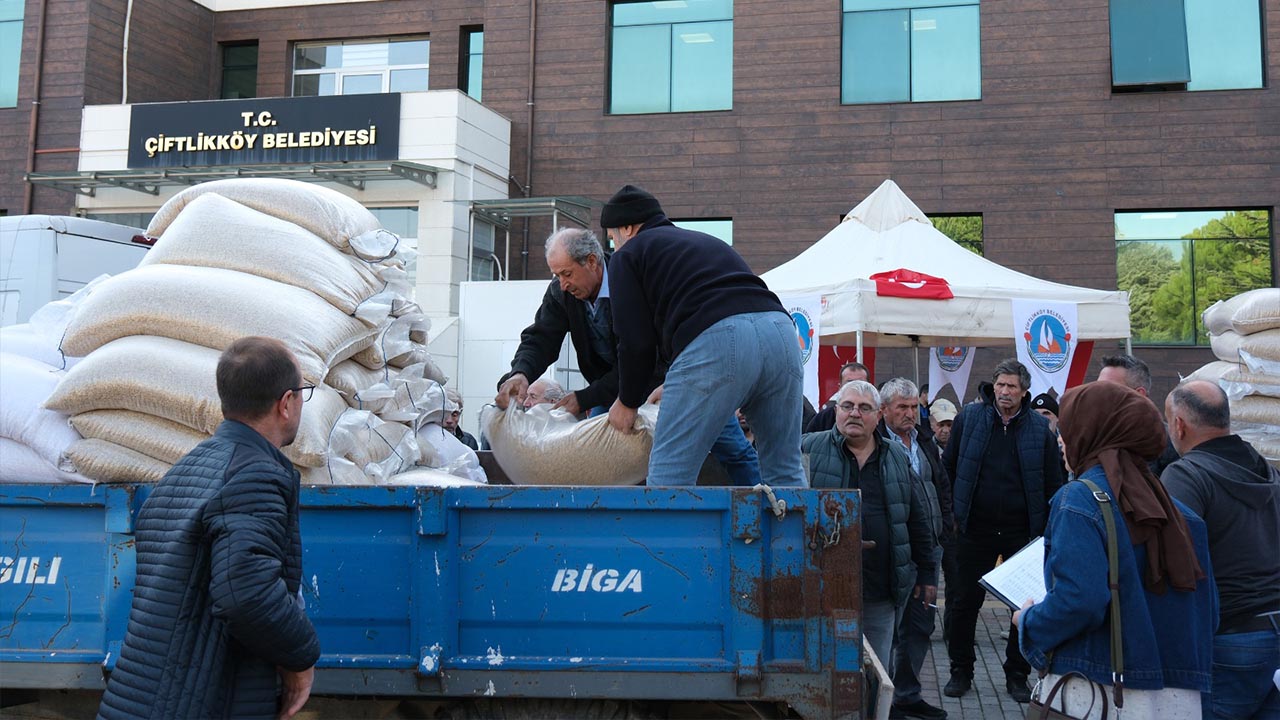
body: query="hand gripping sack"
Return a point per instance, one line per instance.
(215, 232)
(214, 308)
(549, 447)
(328, 213)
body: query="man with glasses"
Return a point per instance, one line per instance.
(217, 627)
(897, 541)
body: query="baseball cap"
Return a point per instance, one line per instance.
(1044, 401)
(942, 410)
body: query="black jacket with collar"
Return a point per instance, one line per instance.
(215, 608)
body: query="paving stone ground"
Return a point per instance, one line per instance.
(988, 700)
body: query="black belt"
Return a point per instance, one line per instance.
(1249, 623)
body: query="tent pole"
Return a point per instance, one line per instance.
(1128, 346)
(915, 352)
(859, 347)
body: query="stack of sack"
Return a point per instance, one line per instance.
(542, 446)
(290, 260)
(34, 441)
(1244, 333)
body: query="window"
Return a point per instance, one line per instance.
(671, 56)
(10, 50)
(1186, 44)
(965, 230)
(1176, 264)
(239, 71)
(138, 220)
(722, 229)
(910, 51)
(483, 259)
(358, 67)
(471, 69)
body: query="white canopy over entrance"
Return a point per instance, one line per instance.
(886, 232)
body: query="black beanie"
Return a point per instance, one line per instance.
(629, 206)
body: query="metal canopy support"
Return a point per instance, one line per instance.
(149, 181)
(500, 212)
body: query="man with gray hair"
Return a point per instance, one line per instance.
(900, 410)
(899, 550)
(1226, 482)
(543, 391)
(1004, 465)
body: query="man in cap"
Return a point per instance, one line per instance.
(687, 300)
(942, 414)
(1047, 407)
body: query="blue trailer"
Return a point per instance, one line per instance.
(499, 592)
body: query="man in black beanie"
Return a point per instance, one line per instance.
(689, 300)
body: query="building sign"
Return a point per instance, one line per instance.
(270, 131)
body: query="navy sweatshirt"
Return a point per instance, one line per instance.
(666, 286)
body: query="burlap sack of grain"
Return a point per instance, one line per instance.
(1246, 313)
(107, 462)
(214, 308)
(21, 465)
(175, 380)
(219, 233)
(156, 376)
(1237, 381)
(549, 447)
(327, 213)
(162, 439)
(1257, 410)
(25, 384)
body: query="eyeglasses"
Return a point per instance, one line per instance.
(863, 409)
(305, 391)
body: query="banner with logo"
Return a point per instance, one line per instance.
(950, 365)
(1046, 335)
(805, 311)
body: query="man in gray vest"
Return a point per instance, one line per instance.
(898, 555)
(901, 411)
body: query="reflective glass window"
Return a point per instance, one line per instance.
(671, 56)
(965, 230)
(722, 229)
(471, 71)
(917, 51)
(362, 66)
(1174, 264)
(239, 71)
(1224, 41)
(11, 15)
(1186, 44)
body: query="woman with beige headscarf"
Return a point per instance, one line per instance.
(1168, 606)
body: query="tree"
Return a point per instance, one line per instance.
(1143, 269)
(965, 230)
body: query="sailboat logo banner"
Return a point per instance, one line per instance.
(1046, 337)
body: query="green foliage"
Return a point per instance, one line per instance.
(965, 230)
(1221, 259)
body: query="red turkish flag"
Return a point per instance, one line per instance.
(911, 284)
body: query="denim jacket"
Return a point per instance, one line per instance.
(1168, 638)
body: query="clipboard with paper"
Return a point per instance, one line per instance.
(1020, 577)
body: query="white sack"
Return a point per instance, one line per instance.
(20, 464)
(443, 451)
(216, 232)
(430, 477)
(377, 448)
(1259, 310)
(214, 308)
(328, 213)
(24, 386)
(156, 437)
(399, 394)
(541, 446)
(25, 341)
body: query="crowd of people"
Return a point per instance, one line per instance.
(1160, 530)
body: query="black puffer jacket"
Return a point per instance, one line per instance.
(216, 606)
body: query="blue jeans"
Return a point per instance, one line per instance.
(1243, 664)
(749, 361)
(736, 455)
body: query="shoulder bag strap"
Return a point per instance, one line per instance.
(1113, 581)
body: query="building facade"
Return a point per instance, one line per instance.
(1082, 141)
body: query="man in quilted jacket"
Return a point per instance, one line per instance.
(217, 628)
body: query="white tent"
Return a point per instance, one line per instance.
(886, 232)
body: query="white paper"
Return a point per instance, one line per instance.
(1019, 578)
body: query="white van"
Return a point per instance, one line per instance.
(48, 257)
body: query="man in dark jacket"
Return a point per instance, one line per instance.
(900, 413)
(1134, 374)
(1228, 484)
(217, 627)
(1004, 465)
(686, 300)
(578, 302)
(898, 556)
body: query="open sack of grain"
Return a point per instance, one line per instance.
(541, 446)
(1244, 332)
(283, 259)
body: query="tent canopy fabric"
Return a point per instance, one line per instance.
(886, 232)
